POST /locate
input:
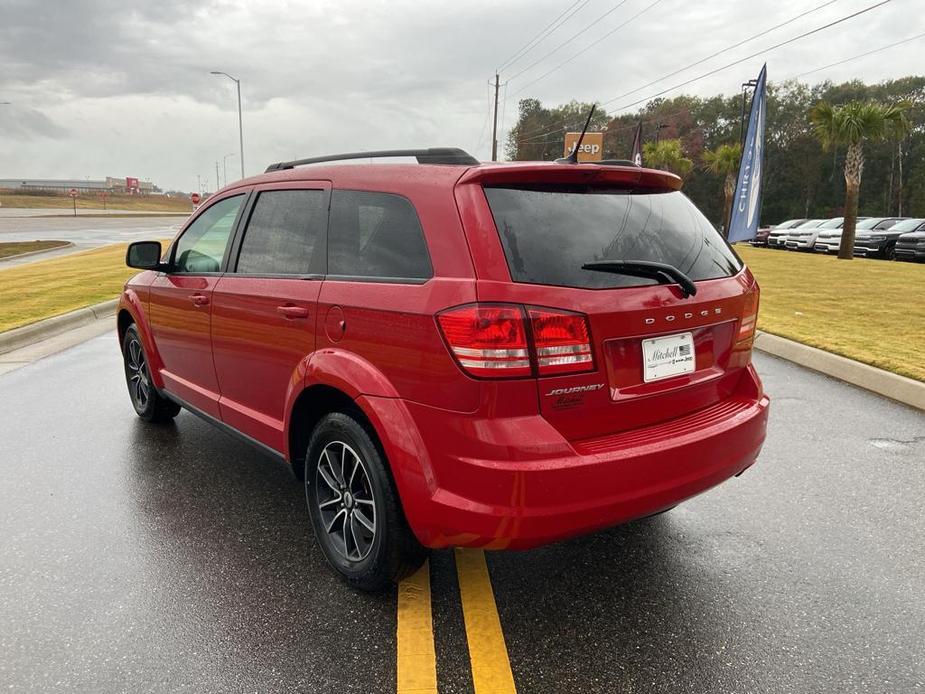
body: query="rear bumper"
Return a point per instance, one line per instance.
(537, 488)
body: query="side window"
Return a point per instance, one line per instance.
(282, 232)
(202, 246)
(376, 235)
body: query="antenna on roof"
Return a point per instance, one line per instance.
(572, 158)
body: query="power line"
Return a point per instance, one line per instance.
(725, 50)
(713, 55)
(546, 31)
(753, 55)
(567, 41)
(736, 62)
(860, 55)
(592, 45)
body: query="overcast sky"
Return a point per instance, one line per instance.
(107, 87)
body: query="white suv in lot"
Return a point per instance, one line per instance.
(829, 241)
(778, 237)
(804, 238)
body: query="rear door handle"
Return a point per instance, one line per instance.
(199, 300)
(293, 311)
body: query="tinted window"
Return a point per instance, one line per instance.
(548, 235)
(376, 235)
(202, 246)
(282, 232)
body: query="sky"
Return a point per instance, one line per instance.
(103, 88)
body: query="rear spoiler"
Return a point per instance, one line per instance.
(539, 173)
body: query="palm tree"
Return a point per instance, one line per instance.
(667, 155)
(851, 125)
(724, 161)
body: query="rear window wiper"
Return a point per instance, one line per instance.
(663, 272)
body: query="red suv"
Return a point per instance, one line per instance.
(452, 353)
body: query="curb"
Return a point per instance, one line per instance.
(36, 332)
(905, 390)
(69, 244)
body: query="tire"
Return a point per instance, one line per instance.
(890, 252)
(354, 509)
(150, 405)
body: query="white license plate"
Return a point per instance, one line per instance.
(663, 357)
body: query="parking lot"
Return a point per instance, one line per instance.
(142, 558)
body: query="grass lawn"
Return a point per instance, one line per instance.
(17, 247)
(89, 201)
(46, 288)
(864, 309)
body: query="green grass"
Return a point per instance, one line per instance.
(18, 247)
(89, 201)
(46, 288)
(872, 311)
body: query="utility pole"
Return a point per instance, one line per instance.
(494, 129)
(218, 182)
(198, 184)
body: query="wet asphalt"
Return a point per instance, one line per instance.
(84, 232)
(173, 558)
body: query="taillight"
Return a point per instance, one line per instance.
(490, 340)
(562, 342)
(487, 340)
(749, 316)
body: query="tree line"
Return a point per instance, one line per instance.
(700, 137)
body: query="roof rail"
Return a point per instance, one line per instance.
(433, 155)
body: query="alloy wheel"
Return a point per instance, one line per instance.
(345, 501)
(138, 378)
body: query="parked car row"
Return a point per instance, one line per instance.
(893, 238)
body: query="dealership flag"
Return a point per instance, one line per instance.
(743, 222)
(637, 145)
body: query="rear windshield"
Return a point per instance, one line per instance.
(548, 234)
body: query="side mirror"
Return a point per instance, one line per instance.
(144, 255)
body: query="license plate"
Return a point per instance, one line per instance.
(663, 357)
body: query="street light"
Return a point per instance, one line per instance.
(225, 166)
(240, 120)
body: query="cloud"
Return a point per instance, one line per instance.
(126, 87)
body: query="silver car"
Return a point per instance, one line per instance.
(801, 239)
(829, 241)
(778, 237)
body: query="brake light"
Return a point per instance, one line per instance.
(487, 340)
(749, 316)
(562, 342)
(490, 340)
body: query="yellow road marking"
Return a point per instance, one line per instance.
(417, 661)
(491, 669)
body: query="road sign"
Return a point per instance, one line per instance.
(592, 146)
(195, 198)
(73, 192)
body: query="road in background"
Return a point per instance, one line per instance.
(83, 232)
(169, 557)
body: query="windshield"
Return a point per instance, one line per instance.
(836, 223)
(789, 224)
(907, 225)
(811, 224)
(869, 223)
(549, 233)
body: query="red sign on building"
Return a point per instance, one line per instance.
(131, 184)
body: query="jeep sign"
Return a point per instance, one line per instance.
(592, 146)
